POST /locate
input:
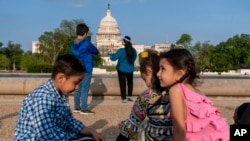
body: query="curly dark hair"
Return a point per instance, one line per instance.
(150, 58)
(180, 58)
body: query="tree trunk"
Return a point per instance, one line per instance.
(14, 67)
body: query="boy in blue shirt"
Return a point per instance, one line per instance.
(83, 49)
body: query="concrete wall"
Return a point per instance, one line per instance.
(109, 86)
(99, 85)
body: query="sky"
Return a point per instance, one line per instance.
(147, 22)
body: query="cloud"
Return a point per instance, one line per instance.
(78, 5)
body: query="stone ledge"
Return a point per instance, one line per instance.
(103, 85)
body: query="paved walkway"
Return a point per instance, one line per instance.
(108, 113)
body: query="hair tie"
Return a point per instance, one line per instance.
(144, 54)
(126, 39)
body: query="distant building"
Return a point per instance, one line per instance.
(108, 33)
(161, 47)
(35, 46)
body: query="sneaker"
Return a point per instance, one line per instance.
(130, 98)
(87, 112)
(77, 111)
(124, 101)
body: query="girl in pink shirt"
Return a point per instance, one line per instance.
(193, 114)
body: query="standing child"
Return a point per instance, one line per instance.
(83, 49)
(148, 120)
(193, 114)
(45, 113)
(126, 57)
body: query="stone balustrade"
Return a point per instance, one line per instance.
(103, 85)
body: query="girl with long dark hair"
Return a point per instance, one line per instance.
(126, 57)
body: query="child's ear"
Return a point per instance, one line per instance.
(60, 77)
(180, 74)
(149, 71)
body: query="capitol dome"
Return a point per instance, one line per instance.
(108, 33)
(108, 24)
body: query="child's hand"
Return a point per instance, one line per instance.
(98, 137)
(95, 135)
(111, 47)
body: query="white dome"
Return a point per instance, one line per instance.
(108, 24)
(108, 33)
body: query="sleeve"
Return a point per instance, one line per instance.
(44, 117)
(115, 56)
(130, 126)
(72, 50)
(92, 49)
(74, 125)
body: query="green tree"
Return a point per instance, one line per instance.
(14, 53)
(185, 41)
(4, 62)
(58, 42)
(51, 44)
(235, 50)
(97, 60)
(2, 49)
(247, 59)
(220, 61)
(202, 53)
(1, 44)
(29, 59)
(239, 46)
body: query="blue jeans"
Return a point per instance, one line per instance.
(81, 94)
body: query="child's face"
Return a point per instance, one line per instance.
(70, 84)
(167, 75)
(147, 76)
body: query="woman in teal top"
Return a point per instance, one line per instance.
(126, 57)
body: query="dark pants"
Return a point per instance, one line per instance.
(125, 79)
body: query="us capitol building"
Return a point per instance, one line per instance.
(108, 33)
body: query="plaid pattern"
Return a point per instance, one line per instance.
(45, 115)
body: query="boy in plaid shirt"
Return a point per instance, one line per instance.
(45, 113)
